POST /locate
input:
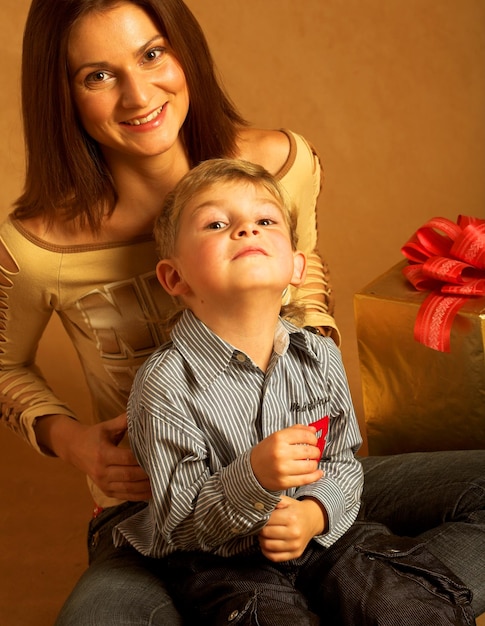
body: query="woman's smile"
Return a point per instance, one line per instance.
(129, 89)
(142, 121)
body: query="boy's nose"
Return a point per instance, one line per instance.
(247, 229)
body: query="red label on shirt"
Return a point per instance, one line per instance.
(322, 429)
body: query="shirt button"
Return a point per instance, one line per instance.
(232, 616)
(240, 357)
(259, 506)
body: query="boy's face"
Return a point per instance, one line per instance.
(232, 237)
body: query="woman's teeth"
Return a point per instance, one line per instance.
(144, 120)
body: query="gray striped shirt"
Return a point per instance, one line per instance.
(197, 408)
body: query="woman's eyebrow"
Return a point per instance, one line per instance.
(108, 65)
(151, 41)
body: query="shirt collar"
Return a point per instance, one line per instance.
(208, 355)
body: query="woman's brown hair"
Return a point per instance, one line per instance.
(66, 176)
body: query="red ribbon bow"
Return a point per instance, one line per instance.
(447, 259)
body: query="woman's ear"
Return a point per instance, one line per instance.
(170, 279)
(299, 269)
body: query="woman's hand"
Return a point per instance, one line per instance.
(96, 451)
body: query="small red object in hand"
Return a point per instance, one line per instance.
(321, 426)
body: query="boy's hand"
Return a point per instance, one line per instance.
(287, 458)
(291, 527)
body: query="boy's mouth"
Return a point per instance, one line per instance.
(250, 251)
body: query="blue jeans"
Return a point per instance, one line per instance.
(436, 496)
(120, 587)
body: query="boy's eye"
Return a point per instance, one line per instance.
(266, 221)
(216, 225)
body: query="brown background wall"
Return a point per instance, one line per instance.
(391, 93)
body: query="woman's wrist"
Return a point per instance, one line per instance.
(53, 433)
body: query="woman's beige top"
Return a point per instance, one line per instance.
(110, 303)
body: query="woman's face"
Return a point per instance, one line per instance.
(129, 89)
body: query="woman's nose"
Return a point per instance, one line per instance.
(135, 91)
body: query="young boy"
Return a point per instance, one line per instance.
(229, 418)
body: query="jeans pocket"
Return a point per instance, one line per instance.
(380, 579)
(410, 559)
(100, 531)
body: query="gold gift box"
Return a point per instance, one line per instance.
(416, 398)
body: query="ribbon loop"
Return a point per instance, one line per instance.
(470, 246)
(448, 260)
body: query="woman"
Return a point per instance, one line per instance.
(119, 101)
(119, 131)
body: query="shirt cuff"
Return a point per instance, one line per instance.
(245, 493)
(329, 494)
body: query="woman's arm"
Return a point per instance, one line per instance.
(26, 311)
(302, 177)
(28, 405)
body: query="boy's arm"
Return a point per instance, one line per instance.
(323, 509)
(194, 506)
(340, 488)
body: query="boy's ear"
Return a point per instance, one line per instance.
(170, 279)
(299, 269)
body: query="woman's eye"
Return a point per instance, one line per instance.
(97, 78)
(154, 53)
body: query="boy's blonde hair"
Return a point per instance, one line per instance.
(208, 173)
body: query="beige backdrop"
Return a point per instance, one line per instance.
(391, 93)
